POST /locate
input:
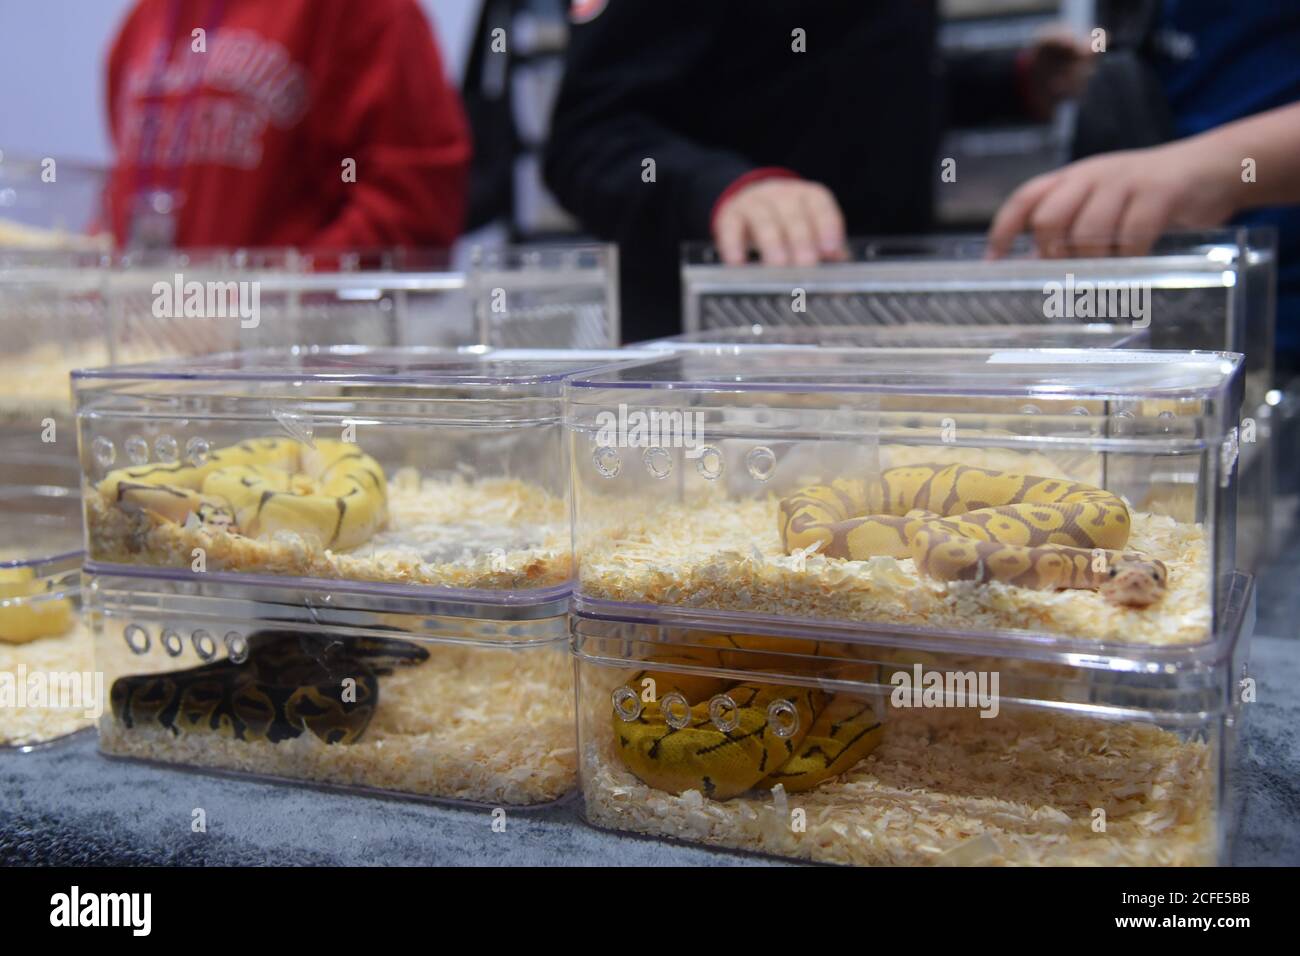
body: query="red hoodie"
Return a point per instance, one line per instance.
(251, 135)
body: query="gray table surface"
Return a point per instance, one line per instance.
(66, 804)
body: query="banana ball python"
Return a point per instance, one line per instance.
(726, 737)
(27, 614)
(291, 683)
(974, 524)
(330, 491)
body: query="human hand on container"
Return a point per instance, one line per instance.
(789, 221)
(1120, 203)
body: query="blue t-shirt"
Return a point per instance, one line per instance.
(1222, 60)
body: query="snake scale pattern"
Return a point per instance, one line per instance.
(291, 683)
(726, 737)
(330, 491)
(960, 523)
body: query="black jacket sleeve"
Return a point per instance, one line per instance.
(982, 88)
(627, 72)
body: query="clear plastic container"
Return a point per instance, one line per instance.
(562, 296)
(1052, 495)
(1194, 290)
(545, 296)
(52, 319)
(396, 470)
(871, 747)
(1212, 289)
(406, 696)
(61, 309)
(49, 203)
(47, 684)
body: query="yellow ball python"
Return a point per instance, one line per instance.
(28, 615)
(290, 683)
(974, 524)
(725, 737)
(331, 491)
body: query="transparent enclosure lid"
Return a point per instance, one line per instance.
(535, 370)
(1129, 681)
(979, 372)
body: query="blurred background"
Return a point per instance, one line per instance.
(56, 50)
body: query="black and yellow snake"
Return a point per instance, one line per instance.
(330, 491)
(725, 737)
(291, 683)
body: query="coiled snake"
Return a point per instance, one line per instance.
(957, 523)
(291, 683)
(724, 737)
(330, 491)
(974, 524)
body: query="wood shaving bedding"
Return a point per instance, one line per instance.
(477, 724)
(946, 787)
(68, 653)
(725, 554)
(495, 533)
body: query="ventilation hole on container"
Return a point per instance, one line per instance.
(204, 645)
(237, 647)
(1029, 410)
(137, 638)
(197, 451)
(105, 451)
(165, 449)
(172, 643)
(658, 462)
(724, 713)
(783, 717)
(627, 704)
(607, 461)
(676, 710)
(710, 462)
(760, 462)
(137, 450)
(1078, 410)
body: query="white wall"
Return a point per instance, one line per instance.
(52, 70)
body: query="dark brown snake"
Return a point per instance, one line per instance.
(291, 683)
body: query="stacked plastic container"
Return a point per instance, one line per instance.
(1193, 290)
(911, 606)
(339, 565)
(45, 651)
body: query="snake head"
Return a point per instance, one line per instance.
(217, 515)
(1135, 582)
